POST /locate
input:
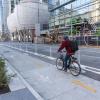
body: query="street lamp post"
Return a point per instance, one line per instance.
(37, 26)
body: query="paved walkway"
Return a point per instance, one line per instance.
(49, 82)
(23, 94)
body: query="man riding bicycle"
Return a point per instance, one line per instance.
(66, 43)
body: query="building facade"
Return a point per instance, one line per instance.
(78, 16)
(7, 7)
(27, 19)
(4, 14)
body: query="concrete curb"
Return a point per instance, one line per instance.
(15, 83)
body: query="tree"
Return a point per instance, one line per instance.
(74, 32)
(98, 32)
(5, 37)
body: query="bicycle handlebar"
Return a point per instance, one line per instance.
(62, 51)
(65, 51)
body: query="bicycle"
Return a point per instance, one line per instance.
(73, 64)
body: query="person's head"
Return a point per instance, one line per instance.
(65, 37)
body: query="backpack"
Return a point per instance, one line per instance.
(74, 46)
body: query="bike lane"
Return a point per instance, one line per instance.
(48, 82)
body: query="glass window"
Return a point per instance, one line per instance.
(67, 21)
(56, 22)
(52, 24)
(62, 21)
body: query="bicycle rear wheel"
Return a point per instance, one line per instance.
(59, 64)
(75, 68)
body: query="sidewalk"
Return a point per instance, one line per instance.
(22, 94)
(49, 82)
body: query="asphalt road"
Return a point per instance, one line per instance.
(87, 56)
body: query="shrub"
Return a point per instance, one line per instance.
(4, 78)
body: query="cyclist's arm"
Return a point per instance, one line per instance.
(62, 46)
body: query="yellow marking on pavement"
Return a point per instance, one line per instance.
(78, 82)
(39, 64)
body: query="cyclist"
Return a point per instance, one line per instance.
(66, 43)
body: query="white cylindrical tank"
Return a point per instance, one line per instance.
(26, 15)
(12, 23)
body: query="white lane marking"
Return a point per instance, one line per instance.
(52, 58)
(91, 69)
(89, 51)
(85, 68)
(38, 97)
(90, 56)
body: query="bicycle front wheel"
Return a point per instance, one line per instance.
(59, 64)
(75, 68)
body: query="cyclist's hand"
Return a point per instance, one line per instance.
(59, 51)
(64, 50)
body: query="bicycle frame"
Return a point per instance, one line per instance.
(72, 62)
(72, 58)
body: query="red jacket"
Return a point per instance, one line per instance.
(66, 44)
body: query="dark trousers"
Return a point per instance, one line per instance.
(66, 61)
